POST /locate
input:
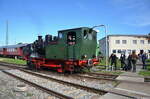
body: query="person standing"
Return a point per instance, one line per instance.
(144, 57)
(113, 59)
(122, 59)
(134, 60)
(129, 62)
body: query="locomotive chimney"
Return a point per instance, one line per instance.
(39, 37)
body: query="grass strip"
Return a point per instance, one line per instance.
(13, 61)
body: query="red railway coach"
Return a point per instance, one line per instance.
(1, 51)
(12, 50)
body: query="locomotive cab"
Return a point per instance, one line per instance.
(74, 44)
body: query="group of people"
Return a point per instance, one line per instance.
(128, 63)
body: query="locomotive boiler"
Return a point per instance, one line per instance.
(71, 50)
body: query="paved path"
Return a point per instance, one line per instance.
(138, 88)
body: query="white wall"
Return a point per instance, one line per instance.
(128, 46)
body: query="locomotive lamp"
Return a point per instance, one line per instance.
(84, 56)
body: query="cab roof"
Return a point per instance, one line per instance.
(74, 29)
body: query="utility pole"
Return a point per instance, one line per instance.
(7, 32)
(106, 47)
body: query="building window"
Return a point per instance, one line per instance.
(114, 51)
(124, 41)
(148, 41)
(117, 41)
(119, 51)
(134, 41)
(123, 51)
(142, 41)
(129, 51)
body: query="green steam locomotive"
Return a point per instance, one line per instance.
(72, 50)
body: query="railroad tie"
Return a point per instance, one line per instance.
(70, 91)
(80, 95)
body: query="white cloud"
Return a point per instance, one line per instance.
(133, 12)
(143, 20)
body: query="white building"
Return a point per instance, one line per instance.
(125, 44)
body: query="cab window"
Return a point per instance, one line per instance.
(71, 38)
(85, 34)
(60, 35)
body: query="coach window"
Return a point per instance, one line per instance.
(71, 38)
(15, 49)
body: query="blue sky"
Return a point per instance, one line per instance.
(29, 18)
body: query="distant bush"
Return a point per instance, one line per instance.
(148, 60)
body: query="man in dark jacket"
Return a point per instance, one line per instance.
(113, 59)
(129, 62)
(122, 59)
(144, 57)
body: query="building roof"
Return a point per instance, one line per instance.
(13, 46)
(130, 35)
(146, 36)
(117, 35)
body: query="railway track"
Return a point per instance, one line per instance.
(60, 89)
(102, 75)
(91, 74)
(96, 76)
(95, 91)
(54, 93)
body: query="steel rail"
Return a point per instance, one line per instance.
(116, 80)
(115, 75)
(61, 96)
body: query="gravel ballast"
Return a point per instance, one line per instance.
(8, 89)
(61, 88)
(98, 84)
